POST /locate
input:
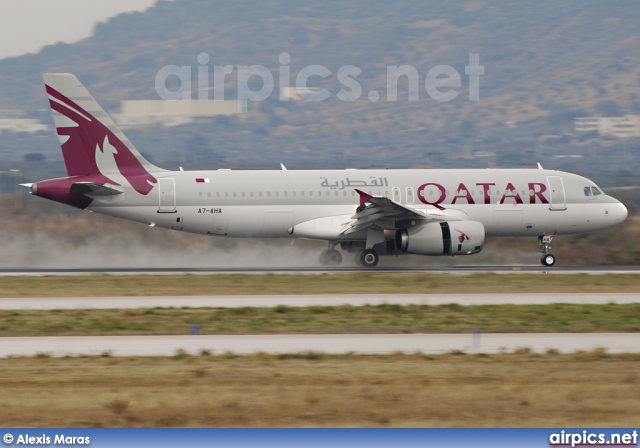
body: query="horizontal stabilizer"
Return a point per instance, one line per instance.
(93, 189)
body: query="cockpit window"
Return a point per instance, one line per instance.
(592, 191)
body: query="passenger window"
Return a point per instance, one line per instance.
(587, 191)
(595, 191)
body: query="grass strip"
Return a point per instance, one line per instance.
(351, 283)
(590, 389)
(385, 318)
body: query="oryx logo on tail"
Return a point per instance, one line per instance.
(90, 148)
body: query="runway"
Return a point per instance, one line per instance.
(330, 344)
(40, 303)
(454, 270)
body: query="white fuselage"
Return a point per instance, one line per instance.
(267, 204)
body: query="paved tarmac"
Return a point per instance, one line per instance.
(246, 344)
(293, 270)
(356, 343)
(40, 303)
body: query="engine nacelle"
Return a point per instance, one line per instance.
(442, 238)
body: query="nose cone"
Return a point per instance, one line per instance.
(619, 212)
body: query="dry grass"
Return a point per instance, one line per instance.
(311, 390)
(352, 283)
(385, 318)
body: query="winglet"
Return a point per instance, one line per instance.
(364, 197)
(284, 168)
(540, 166)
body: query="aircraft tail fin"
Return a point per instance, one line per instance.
(90, 140)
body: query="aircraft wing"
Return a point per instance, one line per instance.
(376, 210)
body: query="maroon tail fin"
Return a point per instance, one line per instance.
(91, 142)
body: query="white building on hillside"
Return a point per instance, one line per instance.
(619, 127)
(171, 113)
(11, 120)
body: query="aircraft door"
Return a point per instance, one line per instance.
(558, 200)
(167, 193)
(409, 195)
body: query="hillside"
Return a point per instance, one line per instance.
(544, 64)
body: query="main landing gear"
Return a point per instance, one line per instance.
(330, 257)
(545, 246)
(367, 258)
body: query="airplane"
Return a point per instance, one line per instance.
(368, 213)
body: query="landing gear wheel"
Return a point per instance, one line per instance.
(548, 260)
(330, 257)
(369, 258)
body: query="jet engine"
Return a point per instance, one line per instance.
(442, 238)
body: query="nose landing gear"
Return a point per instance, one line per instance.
(545, 246)
(548, 260)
